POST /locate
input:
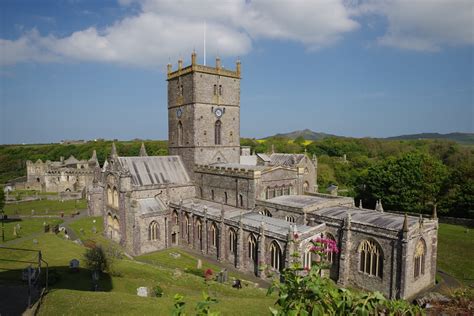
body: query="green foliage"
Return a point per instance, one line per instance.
(411, 182)
(2, 198)
(96, 259)
(305, 292)
(203, 307)
(157, 291)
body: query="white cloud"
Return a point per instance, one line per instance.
(167, 28)
(423, 25)
(171, 28)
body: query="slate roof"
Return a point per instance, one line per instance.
(155, 170)
(369, 217)
(286, 159)
(151, 205)
(298, 200)
(264, 157)
(249, 217)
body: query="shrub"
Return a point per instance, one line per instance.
(197, 272)
(96, 259)
(157, 291)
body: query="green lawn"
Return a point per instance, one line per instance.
(22, 193)
(456, 252)
(45, 207)
(27, 226)
(72, 295)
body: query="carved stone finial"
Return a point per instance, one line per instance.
(405, 223)
(435, 213)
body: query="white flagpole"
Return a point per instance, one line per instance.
(205, 26)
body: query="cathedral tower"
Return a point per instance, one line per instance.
(204, 113)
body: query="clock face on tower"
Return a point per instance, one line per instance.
(179, 112)
(218, 112)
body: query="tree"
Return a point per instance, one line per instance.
(96, 259)
(411, 182)
(2, 198)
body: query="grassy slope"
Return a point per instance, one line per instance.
(28, 226)
(456, 252)
(72, 295)
(53, 207)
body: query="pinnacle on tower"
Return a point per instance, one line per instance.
(143, 152)
(94, 158)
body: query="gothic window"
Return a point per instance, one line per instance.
(212, 195)
(225, 198)
(110, 197)
(252, 248)
(272, 193)
(267, 193)
(371, 258)
(232, 242)
(220, 89)
(175, 218)
(217, 132)
(330, 256)
(275, 256)
(180, 134)
(153, 231)
(308, 258)
(290, 219)
(305, 186)
(213, 235)
(186, 227)
(419, 267)
(115, 223)
(199, 232)
(241, 200)
(116, 198)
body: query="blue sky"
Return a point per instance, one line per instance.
(96, 69)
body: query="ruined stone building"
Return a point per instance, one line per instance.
(66, 175)
(213, 197)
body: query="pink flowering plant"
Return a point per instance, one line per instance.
(303, 291)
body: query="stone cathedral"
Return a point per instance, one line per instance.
(213, 197)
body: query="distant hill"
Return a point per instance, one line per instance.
(307, 134)
(462, 138)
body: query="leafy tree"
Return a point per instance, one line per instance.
(96, 259)
(411, 182)
(2, 198)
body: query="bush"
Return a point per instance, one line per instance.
(157, 291)
(197, 272)
(96, 259)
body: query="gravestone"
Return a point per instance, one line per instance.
(94, 230)
(74, 265)
(199, 264)
(142, 291)
(15, 234)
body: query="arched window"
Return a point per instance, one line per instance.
(175, 218)
(241, 200)
(275, 256)
(110, 197)
(225, 198)
(110, 221)
(214, 235)
(217, 132)
(212, 195)
(308, 258)
(267, 193)
(305, 186)
(371, 258)
(232, 242)
(199, 232)
(419, 267)
(186, 227)
(330, 256)
(252, 248)
(115, 223)
(153, 231)
(180, 134)
(290, 219)
(116, 198)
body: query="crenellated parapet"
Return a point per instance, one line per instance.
(194, 67)
(228, 170)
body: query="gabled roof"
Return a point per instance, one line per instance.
(286, 159)
(71, 160)
(155, 170)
